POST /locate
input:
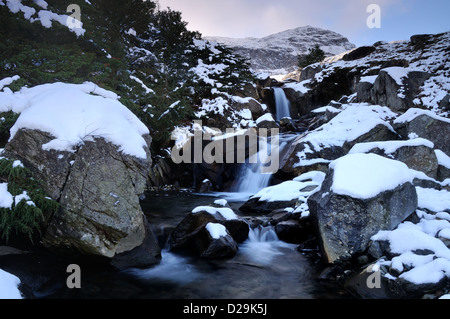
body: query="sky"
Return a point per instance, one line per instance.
(398, 19)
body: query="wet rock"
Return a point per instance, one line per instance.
(256, 206)
(185, 234)
(212, 244)
(293, 231)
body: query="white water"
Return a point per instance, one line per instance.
(252, 179)
(261, 247)
(283, 106)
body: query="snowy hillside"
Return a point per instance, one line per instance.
(277, 53)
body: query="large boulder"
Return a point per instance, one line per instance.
(425, 124)
(357, 123)
(93, 155)
(361, 195)
(98, 190)
(417, 153)
(397, 87)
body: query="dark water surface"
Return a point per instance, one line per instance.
(264, 268)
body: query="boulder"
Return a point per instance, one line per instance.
(361, 195)
(359, 53)
(98, 189)
(293, 231)
(191, 228)
(397, 87)
(418, 153)
(284, 195)
(427, 125)
(214, 241)
(310, 71)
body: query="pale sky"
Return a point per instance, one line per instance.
(257, 18)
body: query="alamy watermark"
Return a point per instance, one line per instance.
(74, 19)
(373, 281)
(74, 279)
(374, 19)
(235, 146)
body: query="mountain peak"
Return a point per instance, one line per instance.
(277, 53)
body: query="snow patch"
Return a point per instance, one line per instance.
(365, 176)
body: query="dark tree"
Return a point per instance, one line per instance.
(315, 55)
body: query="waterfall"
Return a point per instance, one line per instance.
(251, 178)
(283, 106)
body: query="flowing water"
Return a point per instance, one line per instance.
(283, 106)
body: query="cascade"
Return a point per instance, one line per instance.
(251, 178)
(283, 106)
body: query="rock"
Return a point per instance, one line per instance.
(363, 90)
(347, 222)
(397, 87)
(98, 190)
(293, 231)
(427, 125)
(419, 40)
(445, 103)
(359, 53)
(206, 186)
(215, 242)
(266, 121)
(418, 154)
(185, 235)
(256, 206)
(310, 71)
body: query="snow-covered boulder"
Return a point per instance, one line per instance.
(361, 195)
(216, 242)
(191, 231)
(278, 196)
(397, 87)
(93, 153)
(425, 124)
(356, 123)
(417, 153)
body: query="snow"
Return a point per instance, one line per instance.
(221, 202)
(433, 199)
(285, 191)
(369, 79)
(225, 212)
(45, 17)
(389, 147)
(74, 114)
(443, 159)
(7, 81)
(146, 89)
(397, 73)
(365, 176)
(354, 121)
(413, 113)
(6, 199)
(216, 230)
(298, 86)
(9, 286)
(268, 117)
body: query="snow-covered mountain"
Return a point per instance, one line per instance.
(277, 53)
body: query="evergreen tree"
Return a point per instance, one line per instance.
(314, 55)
